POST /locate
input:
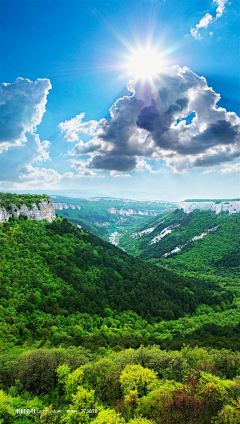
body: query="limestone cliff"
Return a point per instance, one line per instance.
(44, 210)
(230, 206)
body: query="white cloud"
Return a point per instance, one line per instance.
(75, 126)
(86, 174)
(209, 171)
(175, 118)
(231, 168)
(42, 146)
(38, 177)
(142, 164)
(13, 161)
(204, 22)
(122, 175)
(220, 8)
(208, 18)
(69, 175)
(22, 105)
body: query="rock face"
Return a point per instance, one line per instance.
(4, 215)
(61, 206)
(230, 206)
(43, 211)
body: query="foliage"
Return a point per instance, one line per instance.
(88, 329)
(17, 199)
(61, 284)
(139, 379)
(140, 395)
(109, 416)
(6, 409)
(216, 254)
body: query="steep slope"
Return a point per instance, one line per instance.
(200, 242)
(36, 207)
(53, 274)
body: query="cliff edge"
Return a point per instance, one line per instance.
(34, 207)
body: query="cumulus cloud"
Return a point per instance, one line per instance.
(204, 22)
(13, 161)
(86, 174)
(208, 18)
(75, 126)
(174, 118)
(42, 150)
(22, 105)
(220, 7)
(33, 177)
(231, 168)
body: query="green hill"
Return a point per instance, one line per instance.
(86, 332)
(53, 274)
(200, 243)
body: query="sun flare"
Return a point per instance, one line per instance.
(145, 63)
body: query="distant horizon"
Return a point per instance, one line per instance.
(137, 199)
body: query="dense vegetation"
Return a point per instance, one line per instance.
(63, 284)
(87, 218)
(143, 386)
(214, 256)
(18, 199)
(87, 328)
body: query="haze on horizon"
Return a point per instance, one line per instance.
(136, 100)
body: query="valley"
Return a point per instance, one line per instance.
(201, 243)
(100, 215)
(80, 316)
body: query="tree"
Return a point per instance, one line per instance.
(7, 412)
(139, 379)
(109, 416)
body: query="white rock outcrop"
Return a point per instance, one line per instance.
(43, 211)
(4, 215)
(61, 206)
(231, 206)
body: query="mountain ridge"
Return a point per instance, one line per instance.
(198, 242)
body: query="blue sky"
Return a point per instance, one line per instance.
(76, 55)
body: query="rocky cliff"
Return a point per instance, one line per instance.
(44, 210)
(229, 206)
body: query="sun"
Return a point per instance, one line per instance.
(145, 63)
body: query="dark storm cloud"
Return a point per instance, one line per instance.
(121, 163)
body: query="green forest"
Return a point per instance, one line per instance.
(136, 386)
(6, 199)
(107, 338)
(215, 256)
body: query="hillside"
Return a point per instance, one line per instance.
(200, 243)
(53, 274)
(86, 332)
